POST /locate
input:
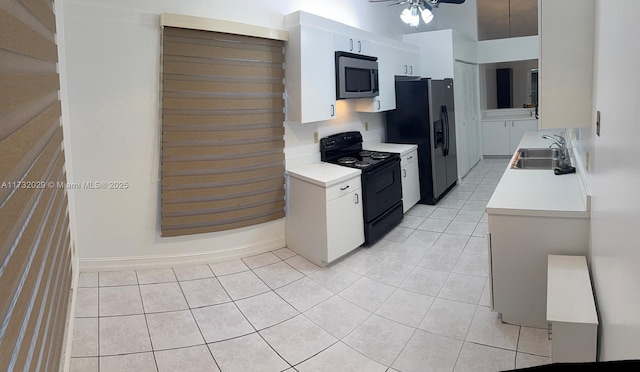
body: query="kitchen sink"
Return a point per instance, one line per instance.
(535, 163)
(538, 153)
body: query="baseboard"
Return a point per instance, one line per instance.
(173, 260)
(71, 316)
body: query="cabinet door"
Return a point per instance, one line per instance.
(410, 181)
(566, 63)
(407, 63)
(517, 128)
(345, 226)
(318, 59)
(310, 55)
(495, 138)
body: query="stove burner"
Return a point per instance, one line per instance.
(362, 164)
(380, 155)
(347, 160)
(365, 153)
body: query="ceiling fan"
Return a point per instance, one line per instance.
(417, 9)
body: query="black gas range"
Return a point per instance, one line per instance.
(381, 181)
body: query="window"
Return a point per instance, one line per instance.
(222, 131)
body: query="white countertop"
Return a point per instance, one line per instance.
(510, 118)
(538, 192)
(401, 148)
(324, 174)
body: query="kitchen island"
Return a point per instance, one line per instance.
(532, 213)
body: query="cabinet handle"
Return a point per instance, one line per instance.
(512, 124)
(410, 157)
(378, 101)
(344, 188)
(351, 43)
(505, 124)
(359, 46)
(404, 173)
(411, 70)
(333, 110)
(406, 69)
(357, 198)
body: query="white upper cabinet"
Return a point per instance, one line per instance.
(310, 75)
(351, 44)
(566, 63)
(407, 63)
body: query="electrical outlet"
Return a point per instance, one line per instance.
(366, 126)
(315, 137)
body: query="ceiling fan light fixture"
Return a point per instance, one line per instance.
(415, 10)
(410, 15)
(427, 15)
(406, 16)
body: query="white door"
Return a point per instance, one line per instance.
(475, 150)
(467, 116)
(462, 131)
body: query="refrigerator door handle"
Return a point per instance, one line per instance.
(445, 115)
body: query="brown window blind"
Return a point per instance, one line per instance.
(222, 131)
(35, 259)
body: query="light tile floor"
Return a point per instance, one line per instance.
(415, 301)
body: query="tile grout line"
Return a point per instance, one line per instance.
(146, 322)
(196, 322)
(98, 321)
(258, 332)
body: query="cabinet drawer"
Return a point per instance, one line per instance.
(343, 188)
(409, 158)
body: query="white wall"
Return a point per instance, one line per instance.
(111, 80)
(614, 179)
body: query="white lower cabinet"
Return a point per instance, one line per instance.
(324, 223)
(519, 246)
(502, 137)
(410, 180)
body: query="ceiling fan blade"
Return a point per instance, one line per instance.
(449, 1)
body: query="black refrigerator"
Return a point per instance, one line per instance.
(424, 115)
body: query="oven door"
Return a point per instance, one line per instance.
(382, 189)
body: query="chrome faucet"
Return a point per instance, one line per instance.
(562, 145)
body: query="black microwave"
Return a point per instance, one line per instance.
(356, 76)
